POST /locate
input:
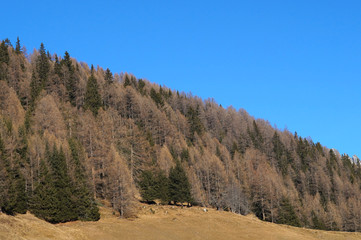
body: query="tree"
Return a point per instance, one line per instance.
(286, 214)
(4, 60)
(18, 47)
(53, 197)
(86, 207)
(92, 99)
(147, 184)
(108, 77)
(179, 187)
(42, 67)
(154, 186)
(69, 78)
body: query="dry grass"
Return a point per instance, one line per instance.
(161, 222)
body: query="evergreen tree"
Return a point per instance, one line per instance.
(4, 60)
(42, 201)
(70, 81)
(92, 99)
(126, 80)
(286, 214)
(141, 85)
(18, 47)
(57, 66)
(157, 98)
(256, 136)
(35, 89)
(86, 207)
(43, 67)
(154, 186)
(179, 187)
(17, 202)
(280, 153)
(108, 77)
(196, 125)
(147, 184)
(162, 187)
(53, 196)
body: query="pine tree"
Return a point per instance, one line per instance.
(157, 98)
(4, 60)
(147, 184)
(17, 195)
(42, 201)
(162, 187)
(18, 47)
(108, 77)
(35, 89)
(196, 125)
(286, 214)
(63, 188)
(43, 67)
(86, 207)
(92, 99)
(70, 81)
(53, 196)
(126, 80)
(179, 187)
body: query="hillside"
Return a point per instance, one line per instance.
(165, 223)
(72, 135)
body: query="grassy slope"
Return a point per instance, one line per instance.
(166, 223)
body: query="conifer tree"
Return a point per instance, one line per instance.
(108, 77)
(179, 187)
(41, 203)
(18, 47)
(154, 186)
(43, 66)
(70, 80)
(4, 60)
(86, 207)
(57, 66)
(17, 199)
(287, 214)
(126, 80)
(53, 196)
(35, 89)
(162, 186)
(195, 122)
(92, 99)
(147, 184)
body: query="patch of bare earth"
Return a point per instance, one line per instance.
(160, 222)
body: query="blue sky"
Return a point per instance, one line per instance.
(296, 64)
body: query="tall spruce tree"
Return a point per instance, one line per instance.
(4, 60)
(92, 99)
(108, 77)
(86, 207)
(18, 47)
(53, 196)
(287, 214)
(43, 66)
(154, 186)
(179, 187)
(70, 81)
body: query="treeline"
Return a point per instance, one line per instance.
(133, 138)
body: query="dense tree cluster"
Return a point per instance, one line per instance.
(70, 134)
(175, 188)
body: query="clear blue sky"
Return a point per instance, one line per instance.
(294, 63)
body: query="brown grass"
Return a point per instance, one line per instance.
(161, 222)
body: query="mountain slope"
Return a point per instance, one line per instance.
(109, 136)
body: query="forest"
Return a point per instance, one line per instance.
(72, 135)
